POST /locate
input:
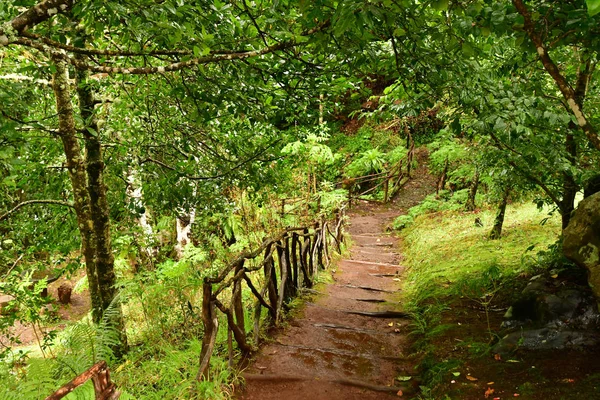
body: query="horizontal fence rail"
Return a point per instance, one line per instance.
(289, 261)
(99, 373)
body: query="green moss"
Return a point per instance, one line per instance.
(444, 248)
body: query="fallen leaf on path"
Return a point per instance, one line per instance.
(456, 373)
(568, 380)
(489, 392)
(513, 361)
(404, 378)
(261, 368)
(452, 381)
(399, 394)
(396, 330)
(497, 357)
(516, 395)
(472, 378)
(391, 324)
(490, 383)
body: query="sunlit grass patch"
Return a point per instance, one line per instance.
(446, 247)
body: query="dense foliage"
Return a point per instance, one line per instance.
(148, 143)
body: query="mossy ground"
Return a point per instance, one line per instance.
(449, 258)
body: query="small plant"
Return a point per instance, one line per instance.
(370, 162)
(483, 289)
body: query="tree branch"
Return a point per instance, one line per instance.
(25, 203)
(552, 69)
(33, 16)
(523, 172)
(115, 53)
(207, 178)
(209, 59)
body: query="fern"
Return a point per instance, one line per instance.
(77, 348)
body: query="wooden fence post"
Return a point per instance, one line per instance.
(271, 282)
(236, 299)
(386, 188)
(290, 289)
(211, 326)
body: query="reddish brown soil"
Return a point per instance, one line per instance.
(529, 375)
(79, 306)
(328, 353)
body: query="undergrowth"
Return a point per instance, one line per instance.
(452, 261)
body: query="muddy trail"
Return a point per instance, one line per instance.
(351, 340)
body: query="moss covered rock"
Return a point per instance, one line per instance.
(581, 239)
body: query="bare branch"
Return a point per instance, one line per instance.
(25, 203)
(209, 59)
(33, 16)
(116, 53)
(218, 176)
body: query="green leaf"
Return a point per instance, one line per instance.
(457, 374)
(593, 7)
(440, 5)
(403, 378)
(399, 32)
(467, 49)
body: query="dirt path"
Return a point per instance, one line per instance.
(330, 351)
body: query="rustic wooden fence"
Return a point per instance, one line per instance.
(104, 389)
(391, 180)
(289, 261)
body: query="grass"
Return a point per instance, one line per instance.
(453, 265)
(447, 247)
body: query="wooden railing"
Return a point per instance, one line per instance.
(104, 389)
(391, 180)
(289, 261)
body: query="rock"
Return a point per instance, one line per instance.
(581, 239)
(64, 293)
(547, 302)
(551, 313)
(546, 339)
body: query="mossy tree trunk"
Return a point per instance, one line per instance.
(67, 132)
(99, 209)
(499, 220)
(86, 170)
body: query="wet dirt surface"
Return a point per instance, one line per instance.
(328, 352)
(79, 306)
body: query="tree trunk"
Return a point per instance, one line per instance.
(569, 94)
(99, 209)
(570, 187)
(470, 204)
(77, 175)
(442, 181)
(135, 195)
(184, 227)
(499, 221)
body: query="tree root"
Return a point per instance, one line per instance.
(341, 381)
